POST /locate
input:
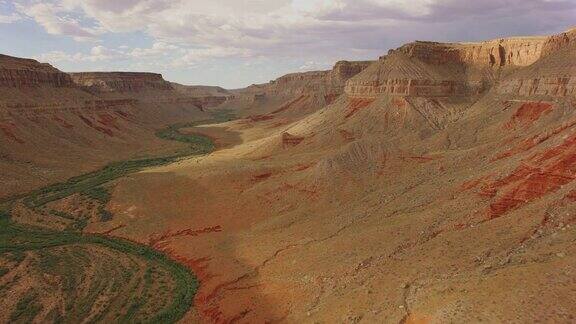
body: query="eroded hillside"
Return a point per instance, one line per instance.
(435, 184)
(55, 125)
(438, 187)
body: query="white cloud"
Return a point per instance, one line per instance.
(190, 31)
(313, 65)
(8, 19)
(96, 54)
(57, 20)
(193, 56)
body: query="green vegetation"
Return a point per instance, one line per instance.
(27, 308)
(67, 255)
(100, 194)
(89, 184)
(100, 277)
(223, 115)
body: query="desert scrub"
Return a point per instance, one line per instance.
(123, 271)
(27, 308)
(140, 284)
(90, 184)
(100, 194)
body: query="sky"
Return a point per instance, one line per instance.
(235, 43)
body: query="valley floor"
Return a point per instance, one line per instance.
(51, 271)
(406, 241)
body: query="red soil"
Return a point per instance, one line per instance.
(555, 167)
(107, 120)
(290, 104)
(571, 195)
(400, 102)
(123, 114)
(349, 136)
(356, 104)
(291, 140)
(8, 130)
(157, 241)
(256, 118)
(302, 167)
(113, 229)
(263, 176)
(62, 122)
(96, 127)
(527, 114)
(330, 98)
(531, 142)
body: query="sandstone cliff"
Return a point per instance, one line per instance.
(17, 72)
(463, 69)
(54, 125)
(120, 81)
(296, 93)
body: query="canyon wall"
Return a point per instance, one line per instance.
(296, 93)
(120, 81)
(55, 125)
(465, 69)
(16, 72)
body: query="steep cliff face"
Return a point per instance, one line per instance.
(329, 82)
(296, 93)
(464, 69)
(54, 125)
(16, 72)
(495, 53)
(203, 96)
(445, 176)
(121, 81)
(553, 75)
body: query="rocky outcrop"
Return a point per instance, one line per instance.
(17, 72)
(494, 53)
(7, 111)
(202, 96)
(464, 69)
(121, 81)
(296, 93)
(328, 83)
(553, 75)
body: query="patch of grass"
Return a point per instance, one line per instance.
(100, 194)
(223, 115)
(62, 214)
(105, 215)
(16, 238)
(89, 184)
(27, 308)
(59, 252)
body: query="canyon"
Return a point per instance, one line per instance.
(434, 184)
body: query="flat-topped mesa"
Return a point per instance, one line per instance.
(495, 53)
(454, 69)
(201, 96)
(19, 73)
(330, 82)
(121, 81)
(344, 70)
(554, 75)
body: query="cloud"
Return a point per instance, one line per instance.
(160, 54)
(193, 56)
(97, 54)
(8, 19)
(57, 20)
(185, 32)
